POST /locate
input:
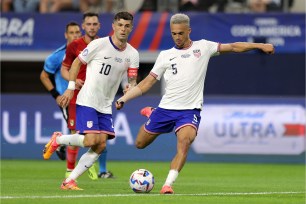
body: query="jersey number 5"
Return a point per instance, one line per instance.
(174, 69)
(105, 69)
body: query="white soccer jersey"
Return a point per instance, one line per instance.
(184, 71)
(106, 66)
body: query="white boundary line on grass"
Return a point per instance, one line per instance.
(133, 195)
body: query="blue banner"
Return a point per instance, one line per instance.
(28, 121)
(151, 32)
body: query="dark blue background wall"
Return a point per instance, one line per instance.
(256, 74)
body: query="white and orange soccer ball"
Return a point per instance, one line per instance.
(142, 181)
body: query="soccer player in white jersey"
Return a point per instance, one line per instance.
(107, 59)
(183, 68)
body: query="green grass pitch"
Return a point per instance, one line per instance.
(37, 182)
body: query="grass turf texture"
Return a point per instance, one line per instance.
(24, 181)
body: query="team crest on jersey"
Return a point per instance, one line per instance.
(197, 53)
(89, 124)
(71, 122)
(85, 52)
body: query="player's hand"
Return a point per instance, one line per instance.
(268, 48)
(119, 104)
(79, 84)
(127, 88)
(66, 97)
(58, 100)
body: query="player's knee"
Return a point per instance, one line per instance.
(89, 142)
(139, 144)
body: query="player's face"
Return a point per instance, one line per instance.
(122, 28)
(73, 32)
(180, 34)
(91, 26)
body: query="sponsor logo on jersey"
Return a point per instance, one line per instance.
(117, 59)
(185, 55)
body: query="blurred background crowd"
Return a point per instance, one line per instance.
(113, 6)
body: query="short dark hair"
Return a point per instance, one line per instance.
(71, 23)
(90, 14)
(124, 15)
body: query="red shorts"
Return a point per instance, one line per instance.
(72, 111)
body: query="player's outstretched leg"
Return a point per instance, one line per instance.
(51, 146)
(146, 111)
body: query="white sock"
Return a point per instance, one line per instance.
(85, 162)
(71, 140)
(172, 175)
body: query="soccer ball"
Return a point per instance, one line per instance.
(142, 181)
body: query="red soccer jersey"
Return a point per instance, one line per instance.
(73, 50)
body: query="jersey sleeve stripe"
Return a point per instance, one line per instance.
(154, 75)
(83, 62)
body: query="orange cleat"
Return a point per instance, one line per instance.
(51, 146)
(71, 185)
(166, 190)
(146, 111)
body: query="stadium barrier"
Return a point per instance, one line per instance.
(151, 32)
(231, 130)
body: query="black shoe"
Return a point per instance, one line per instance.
(106, 175)
(61, 152)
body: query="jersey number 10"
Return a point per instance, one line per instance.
(105, 69)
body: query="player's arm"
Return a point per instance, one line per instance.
(73, 72)
(46, 81)
(132, 76)
(68, 60)
(65, 72)
(246, 46)
(138, 90)
(131, 79)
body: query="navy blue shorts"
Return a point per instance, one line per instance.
(164, 121)
(89, 120)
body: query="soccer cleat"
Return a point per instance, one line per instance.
(92, 173)
(61, 152)
(51, 146)
(146, 111)
(71, 185)
(106, 175)
(166, 190)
